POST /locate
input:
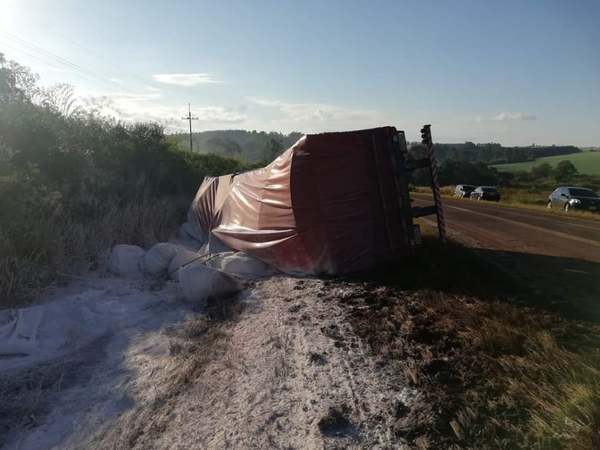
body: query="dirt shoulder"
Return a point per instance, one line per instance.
(368, 364)
(399, 359)
(514, 229)
(556, 259)
(290, 372)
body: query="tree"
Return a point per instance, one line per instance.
(59, 98)
(542, 171)
(272, 150)
(17, 83)
(565, 170)
(224, 146)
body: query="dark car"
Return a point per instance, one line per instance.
(568, 198)
(486, 193)
(463, 190)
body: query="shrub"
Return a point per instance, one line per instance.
(72, 184)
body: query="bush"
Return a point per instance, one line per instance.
(72, 184)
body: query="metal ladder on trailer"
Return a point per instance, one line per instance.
(430, 162)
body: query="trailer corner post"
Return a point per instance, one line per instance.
(435, 187)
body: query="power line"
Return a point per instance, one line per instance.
(92, 52)
(47, 56)
(189, 118)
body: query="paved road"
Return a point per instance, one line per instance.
(520, 230)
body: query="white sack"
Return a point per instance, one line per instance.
(240, 264)
(126, 260)
(156, 260)
(199, 282)
(181, 258)
(189, 230)
(216, 245)
(19, 331)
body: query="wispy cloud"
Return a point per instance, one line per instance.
(264, 101)
(504, 116)
(319, 116)
(151, 107)
(185, 79)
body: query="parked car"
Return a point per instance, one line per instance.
(567, 198)
(463, 190)
(486, 193)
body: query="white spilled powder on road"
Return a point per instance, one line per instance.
(90, 331)
(289, 372)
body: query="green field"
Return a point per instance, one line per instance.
(586, 162)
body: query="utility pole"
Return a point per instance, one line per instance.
(189, 118)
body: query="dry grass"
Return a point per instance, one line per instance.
(23, 397)
(492, 374)
(59, 246)
(542, 382)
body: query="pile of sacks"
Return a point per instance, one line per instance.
(201, 274)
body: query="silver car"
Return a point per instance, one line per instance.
(463, 190)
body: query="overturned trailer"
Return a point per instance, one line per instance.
(333, 203)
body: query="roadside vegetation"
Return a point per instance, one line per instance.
(253, 147)
(72, 183)
(494, 366)
(523, 188)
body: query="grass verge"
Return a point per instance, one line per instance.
(489, 373)
(46, 249)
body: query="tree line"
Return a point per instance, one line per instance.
(493, 153)
(248, 146)
(260, 146)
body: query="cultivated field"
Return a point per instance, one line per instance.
(586, 162)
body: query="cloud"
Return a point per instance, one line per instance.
(151, 107)
(264, 102)
(312, 117)
(185, 79)
(504, 116)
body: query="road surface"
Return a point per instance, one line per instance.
(489, 225)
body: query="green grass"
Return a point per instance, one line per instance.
(586, 163)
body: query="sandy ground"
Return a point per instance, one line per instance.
(287, 372)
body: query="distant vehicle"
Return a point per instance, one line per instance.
(486, 193)
(463, 190)
(568, 198)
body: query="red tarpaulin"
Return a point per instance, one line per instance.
(333, 203)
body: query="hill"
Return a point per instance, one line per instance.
(586, 163)
(249, 146)
(259, 146)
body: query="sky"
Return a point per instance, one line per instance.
(513, 72)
